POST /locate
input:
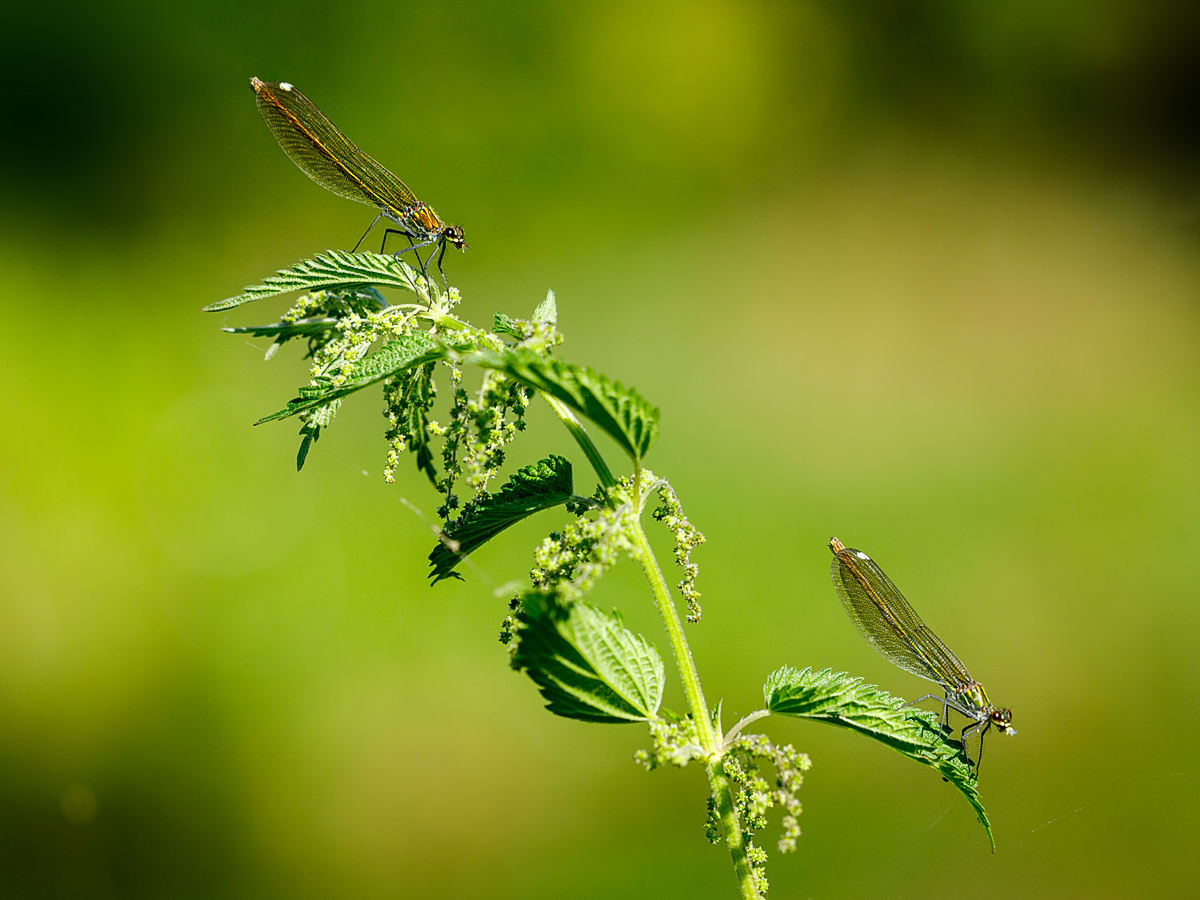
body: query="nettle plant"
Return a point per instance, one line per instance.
(586, 664)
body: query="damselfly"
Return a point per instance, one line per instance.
(890, 625)
(332, 160)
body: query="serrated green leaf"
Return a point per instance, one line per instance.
(840, 699)
(408, 352)
(586, 663)
(531, 489)
(620, 412)
(332, 269)
(547, 310)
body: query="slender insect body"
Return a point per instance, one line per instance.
(892, 627)
(419, 221)
(422, 224)
(332, 160)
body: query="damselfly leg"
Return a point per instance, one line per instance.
(423, 264)
(945, 701)
(407, 236)
(374, 222)
(982, 728)
(977, 725)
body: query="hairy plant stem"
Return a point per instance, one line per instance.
(679, 645)
(731, 829)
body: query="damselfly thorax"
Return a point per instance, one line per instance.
(422, 224)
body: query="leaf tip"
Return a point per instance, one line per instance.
(547, 310)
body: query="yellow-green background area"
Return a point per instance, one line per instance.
(922, 275)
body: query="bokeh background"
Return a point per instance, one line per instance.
(919, 274)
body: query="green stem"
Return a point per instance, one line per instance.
(727, 818)
(679, 646)
(731, 830)
(746, 720)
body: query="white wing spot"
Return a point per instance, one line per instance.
(861, 555)
(285, 85)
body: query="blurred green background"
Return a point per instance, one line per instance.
(919, 274)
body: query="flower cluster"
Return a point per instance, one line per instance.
(754, 796)
(672, 743)
(571, 562)
(687, 539)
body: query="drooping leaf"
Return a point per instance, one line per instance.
(620, 412)
(840, 699)
(332, 269)
(586, 663)
(531, 489)
(408, 352)
(314, 329)
(309, 435)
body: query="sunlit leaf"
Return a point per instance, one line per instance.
(332, 269)
(547, 310)
(586, 663)
(840, 699)
(409, 352)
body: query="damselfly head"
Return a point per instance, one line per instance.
(1002, 719)
(454, 234)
